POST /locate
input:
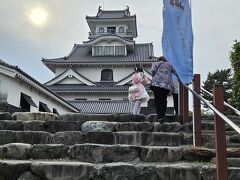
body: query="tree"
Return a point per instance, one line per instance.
(219, 77)
(235, 63)
(223, 77)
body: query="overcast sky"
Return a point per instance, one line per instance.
(216, 23)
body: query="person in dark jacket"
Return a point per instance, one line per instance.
(162, 84)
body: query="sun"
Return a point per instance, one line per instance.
(38, 16)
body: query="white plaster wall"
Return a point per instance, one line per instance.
(122, 72)
(94, 73)
(13, 87)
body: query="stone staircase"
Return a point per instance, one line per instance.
(44, 146)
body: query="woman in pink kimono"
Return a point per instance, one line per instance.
(138, 97)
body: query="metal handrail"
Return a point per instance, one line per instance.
(215, 110)
(226, 104)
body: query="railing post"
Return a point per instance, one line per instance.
(220, 135)
(184, 103)
(181, 99)
(196, 112)
(186, 106)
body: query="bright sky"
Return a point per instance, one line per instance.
(32, 29)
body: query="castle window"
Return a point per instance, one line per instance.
(103, 50)
(109, 51)
(101, 30)
(107, 75)
(119, 50)
(121, 29)
(111, 30)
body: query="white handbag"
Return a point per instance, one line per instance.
(133, 88)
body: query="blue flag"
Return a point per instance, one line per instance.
(177, 37)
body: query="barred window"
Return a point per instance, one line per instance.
(98, 50)
(109, 51)
(119, 50)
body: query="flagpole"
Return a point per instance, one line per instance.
(190, 4)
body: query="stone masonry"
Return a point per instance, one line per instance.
(44, 146)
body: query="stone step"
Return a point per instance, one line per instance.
(100, 153)
(228, 133)
(234, 118)
(232, 162)
(205, 125)
(229, 145)
(78, 137)
(68, 170)
(101, 126)
(96, 153)
(99, 117)
(90, 117)
(205, 138)
(89, 126)
(208, 140)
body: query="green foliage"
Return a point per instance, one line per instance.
(223, 77)
(219, 77)
(235, 63)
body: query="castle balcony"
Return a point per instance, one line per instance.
(127, 34)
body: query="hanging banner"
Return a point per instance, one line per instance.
(177, 37)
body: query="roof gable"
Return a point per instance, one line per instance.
(67, 76)
(109, 38)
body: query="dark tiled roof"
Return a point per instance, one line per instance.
(102, 87)
(80, 54)
(103, 107)
(112, 14)
(116, 14)
(8, 65)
